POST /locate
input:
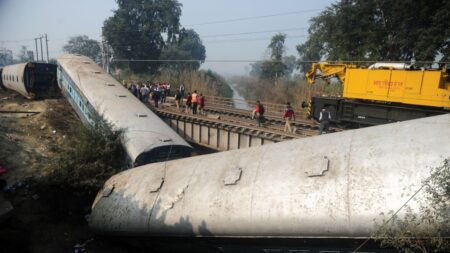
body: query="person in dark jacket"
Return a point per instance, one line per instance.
(178, 99)
(259, 113)
(188, 103)
(288, 116)
(324, 119)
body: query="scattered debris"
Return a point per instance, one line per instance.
(43, 126)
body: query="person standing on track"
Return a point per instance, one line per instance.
(178, 99)
(201, 105)
(259, 113)
(181, 89)
(156, 96)
(289, 115)
(324, 119)
(194, 102)
(144, 93)
(188, 103)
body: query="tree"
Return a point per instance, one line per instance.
(274, 68)
(377, 30)
(255, 68)
(84, 46)
(6, 57)
(25, 55)
(140, 29)
(424, 231)
(188, 46)
(277, 46)
(290, 62)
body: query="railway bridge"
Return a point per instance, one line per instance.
(224, 127)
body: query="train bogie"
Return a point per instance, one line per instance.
(330, 186)
(95, 95)
(32, 80)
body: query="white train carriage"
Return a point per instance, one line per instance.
(95, 94)
(305, 195)
(31, 79)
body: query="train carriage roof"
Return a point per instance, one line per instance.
(143, 130)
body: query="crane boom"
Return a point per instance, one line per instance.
(327, 70)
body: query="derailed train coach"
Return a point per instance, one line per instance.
(98, 97)
(326, 193)
(32, 79)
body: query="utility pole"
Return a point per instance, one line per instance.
(46, 45)
(42, 53)
(37, 51)
(103, 55)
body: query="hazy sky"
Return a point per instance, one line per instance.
(23, 20)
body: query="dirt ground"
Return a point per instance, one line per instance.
(43, 220)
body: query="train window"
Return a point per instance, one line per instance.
(97, 72)
(86, 62)
(122, 96)
(141, 115)
(17, 79)
(110, 84)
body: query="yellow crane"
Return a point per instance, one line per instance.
(382, 92)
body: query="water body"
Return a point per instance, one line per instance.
(238, 100)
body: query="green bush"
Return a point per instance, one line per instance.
(86, 157)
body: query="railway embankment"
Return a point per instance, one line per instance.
(51, 206)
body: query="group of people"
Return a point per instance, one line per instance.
(157, 92)
(195, 102)
(289, 117)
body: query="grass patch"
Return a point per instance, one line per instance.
(86, 158)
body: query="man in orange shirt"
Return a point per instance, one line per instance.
(194, 102)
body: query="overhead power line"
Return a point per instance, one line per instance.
(251, 39)
(255, 17)
(252, 32)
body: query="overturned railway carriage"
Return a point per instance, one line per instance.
(382, 93)
(306, 195)
(32, 79)
(95, 95)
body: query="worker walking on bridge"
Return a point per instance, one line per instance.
(289, 115)
(201, 105)
(194, 102)
(178, 99)
(259, 113)
(324, 119)
(188, 103)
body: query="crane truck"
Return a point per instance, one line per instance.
(381, 93)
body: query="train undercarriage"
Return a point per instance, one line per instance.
(358, 113)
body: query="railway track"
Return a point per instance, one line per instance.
(240, 121)
(217, 121)
(274, 121)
